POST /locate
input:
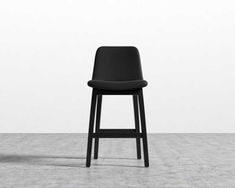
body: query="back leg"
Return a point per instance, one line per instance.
(137, 127)
(98, 112)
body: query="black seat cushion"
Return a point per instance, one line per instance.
(117, 85)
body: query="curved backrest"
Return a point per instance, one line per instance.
(121, 63)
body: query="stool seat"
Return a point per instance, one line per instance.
(117, 85)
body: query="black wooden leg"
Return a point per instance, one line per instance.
(91, 128)
(137, 127)
(97, 127)
(143, 127)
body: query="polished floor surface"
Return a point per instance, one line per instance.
(58, 160)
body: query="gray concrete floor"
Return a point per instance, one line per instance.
(58, 160)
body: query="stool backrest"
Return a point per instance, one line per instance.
(117, 63)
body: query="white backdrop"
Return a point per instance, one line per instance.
(47, 50)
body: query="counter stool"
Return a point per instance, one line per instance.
(117, 71)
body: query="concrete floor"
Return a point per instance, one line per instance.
(58, 160)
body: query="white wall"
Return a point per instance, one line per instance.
(47, 50)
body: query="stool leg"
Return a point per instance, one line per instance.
(137, 127)
(91, 128)
(97, 127)
(143, 127)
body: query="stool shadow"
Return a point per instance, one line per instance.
(42, 160)
(55, 160)
(118, 165)
(118, 158)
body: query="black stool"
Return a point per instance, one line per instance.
(117, 71)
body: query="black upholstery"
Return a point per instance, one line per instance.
(117, 69)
